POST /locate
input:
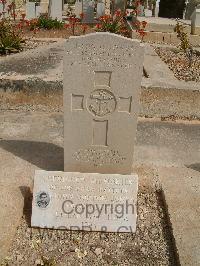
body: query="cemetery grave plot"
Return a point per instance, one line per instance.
(179, 63)
(150, 245)
(32, 44)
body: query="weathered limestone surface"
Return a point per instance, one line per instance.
(89, 202)
(102, 80)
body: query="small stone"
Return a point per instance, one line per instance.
(98, 251)
(19, 257)
(39, 262)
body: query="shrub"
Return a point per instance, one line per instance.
(48, 23)
(10, 37)
(45, 22)
(115, 24)
(185, 44)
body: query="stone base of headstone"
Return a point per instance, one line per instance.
(86, 202)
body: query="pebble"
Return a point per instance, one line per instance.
(179, 64)
(98, 251)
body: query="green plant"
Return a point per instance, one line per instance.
(114, 24)
(48, 23)
(45, 22)
(140, 29)
(185, 43)
(10, 37)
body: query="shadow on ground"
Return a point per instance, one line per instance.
(28, 197)
(46, 156)
(195, 166)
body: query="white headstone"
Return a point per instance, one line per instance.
(88, 11)
(148, 13)
(119, 5)
(78, 8)
(3, 10)
(157, 8)
(55, 8)
(100, 9)
(44, 6)
(90, 202)
(141, 10)
(102, 80)
(37, 10)
(32, 10)
(195, 19)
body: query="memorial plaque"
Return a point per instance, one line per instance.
(88, 202)
(102, 80)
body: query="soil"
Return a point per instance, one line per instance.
(180, 64)
(58, 33)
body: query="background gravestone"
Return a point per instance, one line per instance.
(88, 11)
(78, 8)
(32, 10)
(100, 9)
(119, 5)
(195, 19)
(55, 7)
(102, 79)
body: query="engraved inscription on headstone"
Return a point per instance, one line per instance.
(90, 202)
(102, 79)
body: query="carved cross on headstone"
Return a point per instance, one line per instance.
(100, 103)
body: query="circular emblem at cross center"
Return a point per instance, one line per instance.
(101, 102)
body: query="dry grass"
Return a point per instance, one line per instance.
(18, 99)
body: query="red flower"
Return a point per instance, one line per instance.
(66, 26)
(98, 26)
(84, 28)
(82, 15)
(23, 16)
(118, 13)
(19, 26)
(144, 23)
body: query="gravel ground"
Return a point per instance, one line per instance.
(179, 64)
(151, 245)
(32, 44)
(29, 44)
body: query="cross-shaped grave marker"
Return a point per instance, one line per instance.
(102, 76)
